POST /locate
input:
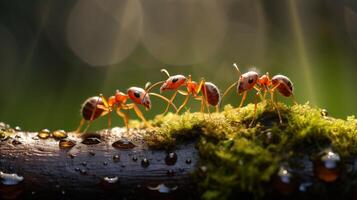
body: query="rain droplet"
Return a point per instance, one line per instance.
(10, 179)
(284, 182)
(59, 134)
(116, 158)
(170, 172)
(66, 144)
(135, 158)
(324, 113)
(111, 180)
(15, 142)
(123, 144)
(145, 163)
(188, 161)
(91, 141)
(44, 134)
(328, 166)
(83, 171)
(171, 158)
(162, 188)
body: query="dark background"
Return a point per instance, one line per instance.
(55, 54)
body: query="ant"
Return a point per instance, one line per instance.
(210, 92)
(98, 106)
(251, 80)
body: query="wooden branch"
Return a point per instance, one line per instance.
(95, 170)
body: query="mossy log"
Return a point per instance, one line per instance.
(219, 156)
(103, 165)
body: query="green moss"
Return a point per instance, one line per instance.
(242, 158)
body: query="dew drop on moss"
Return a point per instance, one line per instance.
(171, 158)
(284, 182)
(145, 163)
(66, 144)
(44, 134)
(327, 166)
(59, 134)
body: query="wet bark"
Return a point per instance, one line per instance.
(50, 171)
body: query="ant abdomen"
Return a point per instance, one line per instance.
(285, 86)
(90, 106)
(213, 95)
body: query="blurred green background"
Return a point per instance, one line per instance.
(55, 54)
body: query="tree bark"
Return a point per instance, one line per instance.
(78, 172)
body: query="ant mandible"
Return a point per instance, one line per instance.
(98, 106)
(210, 92)
(251, 80)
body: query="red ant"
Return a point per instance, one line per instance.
(251, 80)
(98, 106)
(210, 92)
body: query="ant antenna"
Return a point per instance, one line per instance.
(166, 72)
(236, 66)
(147, 85)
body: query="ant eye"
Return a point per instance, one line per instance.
(137, 94)
(250, 81)
(174, 80)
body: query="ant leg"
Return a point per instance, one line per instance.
(148, 85)
(243, 99)
(140, 114)
(109, 121)
(125, 118)
(171, 100)
(275, 105)
(80, 126)
(217, 108)
(183, 104)
(255, 108)
(165, 99)
(228, 89)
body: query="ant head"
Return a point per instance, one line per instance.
(173, 82)
(247, 81)
(139, 96)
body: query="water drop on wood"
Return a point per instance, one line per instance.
(59, 134)
(116, 158)
(66, 144)
(171, 158)
(123, 144)
(145, 163)
(44, 134)
(91, 141)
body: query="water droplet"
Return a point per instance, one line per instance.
(10, 179)
(63, 192)
(123, 144)
(17, 128)
(84, 164)
(105, 163)
(188, 161)
(284, 182)
(71, 155)
(77, 169)
(35, 137)
(145, 163)
(170, 172)
(111, 180)
(135, 158)
(116, 158)
(91, 153)
(16, 142)
(304, 186)
(122, 165)
(44, 134)
(327, 166)
(91, 141)
(2, 134)
(83, 171)
(163, 188)
(59, 134)
(66, 144)
(171, 158)
(324, 113)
